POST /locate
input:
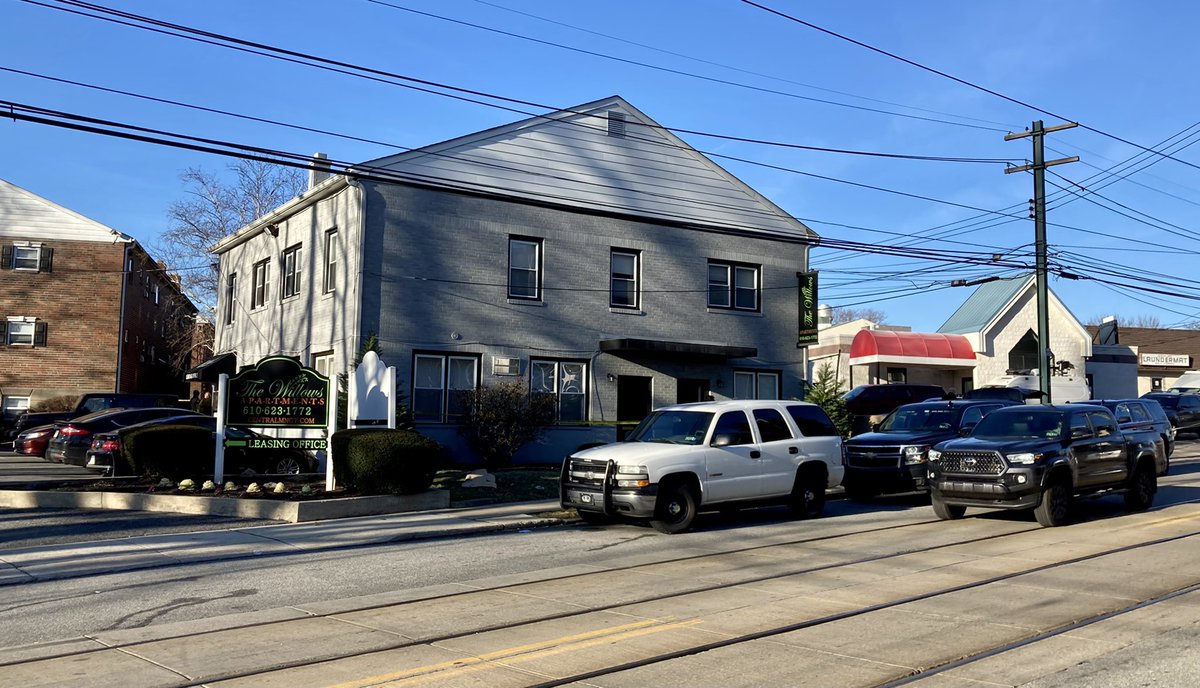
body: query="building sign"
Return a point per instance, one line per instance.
(808, 309)
(1165, 360)
(278, 392)
(278, 443)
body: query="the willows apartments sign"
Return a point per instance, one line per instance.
(278, 392)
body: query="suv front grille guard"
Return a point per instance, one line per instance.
(599, 475)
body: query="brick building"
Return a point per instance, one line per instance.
(83, 308)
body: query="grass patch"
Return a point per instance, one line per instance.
(512, 485)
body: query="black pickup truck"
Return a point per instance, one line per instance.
(91, 403)
(1042, 458)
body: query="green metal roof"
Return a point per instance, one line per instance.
(983, 306)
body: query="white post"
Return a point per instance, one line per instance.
(390, 382)
(332, 428)
(222, 401)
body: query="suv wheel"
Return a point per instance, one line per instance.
(808, 494)
(947, 512)
(1055, 507)
(1142, 486)
(676, 509)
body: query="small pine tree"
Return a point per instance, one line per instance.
(826, 392)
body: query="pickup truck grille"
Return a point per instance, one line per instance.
(873, 456)
(585, 472)
(972, 462)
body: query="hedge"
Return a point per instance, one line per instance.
(169, 451)
(381, 461)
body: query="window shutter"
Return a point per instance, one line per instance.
(39, 334)
(46, 259)
(6, 257)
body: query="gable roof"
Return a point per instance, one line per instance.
(24, 214)
(984, 305)
(570, 158)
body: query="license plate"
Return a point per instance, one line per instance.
(585, 498)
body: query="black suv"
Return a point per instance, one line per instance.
(892, 458)
(1142, 414)
(869, 404)
(1183, 410)
(1041, 458)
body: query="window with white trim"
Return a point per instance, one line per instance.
(331, 256)
(261, 284)
(525, 268)
(566, 381)
(323, 363)
(290, 271)
(733, 285)
(24, 331)
(26, 257)
(230, 299)
(441, 383)
(755, 384)
(14, 406)
(623, 270)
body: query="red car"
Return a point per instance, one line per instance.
(34, 441)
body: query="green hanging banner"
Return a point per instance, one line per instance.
(808, 309)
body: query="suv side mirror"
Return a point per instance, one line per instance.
(723, 440)
(966, 430)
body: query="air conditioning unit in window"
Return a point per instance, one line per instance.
(506, 366)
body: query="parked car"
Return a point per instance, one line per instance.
(1041, 458)
(93, 403)
(72, 438)
(1015, 395)
(33, 442)
(1183, 410)
(1143, 414)
(892, 458)
(106, 448)
(690, 457)
(869, 404)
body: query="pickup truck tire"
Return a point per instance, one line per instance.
(675, 510)
(1142, 486)
(1055, 507)
(947, 512)
(808, 494)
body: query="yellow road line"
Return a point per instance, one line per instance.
(530, 651)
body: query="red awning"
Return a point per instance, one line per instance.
(911, 348)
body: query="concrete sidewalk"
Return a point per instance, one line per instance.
(31, 564)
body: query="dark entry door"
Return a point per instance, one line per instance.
(691, 389)
(633, 398)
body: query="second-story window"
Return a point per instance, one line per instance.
(525, 268)
(331, 256)
(230, 298)
(733, 285)
(26, 256)
(624, 289)
(261, 284)
(291, 271)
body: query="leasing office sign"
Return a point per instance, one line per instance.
(278, 392)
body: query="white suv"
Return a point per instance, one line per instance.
(693, 456)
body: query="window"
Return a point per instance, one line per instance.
(26, 256)
(440, 386)
(230, 300)
(732, 286)
(755, 385)
(291, 271)
(156, 294)
(261, 284)
(330, 274)
(14, 406)
(1103, 423)
(323, 363)
(897, 375)
(771, 425)
(1139, 413)
(23, 331)
(525, 268)
(1024, 355)
(812, 421)
(624, 290)
(734, 425)
(566, 381)
(973, 415)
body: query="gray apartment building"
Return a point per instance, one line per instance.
(590, 254)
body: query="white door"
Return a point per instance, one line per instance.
(734, 468)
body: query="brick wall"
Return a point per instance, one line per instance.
(79, 300)
(152, 328)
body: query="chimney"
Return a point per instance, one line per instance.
(824, 317)
(1108, 332)
(318, 170)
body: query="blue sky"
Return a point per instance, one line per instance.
(1123, 69)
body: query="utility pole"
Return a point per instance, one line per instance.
(1038, 132)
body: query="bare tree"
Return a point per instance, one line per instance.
(215, 207)
(845, 315)
(1141, 320)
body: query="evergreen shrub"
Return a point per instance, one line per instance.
(383, 461)
(168, 451)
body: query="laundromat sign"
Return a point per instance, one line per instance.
(1166, 360)
(278, 392)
